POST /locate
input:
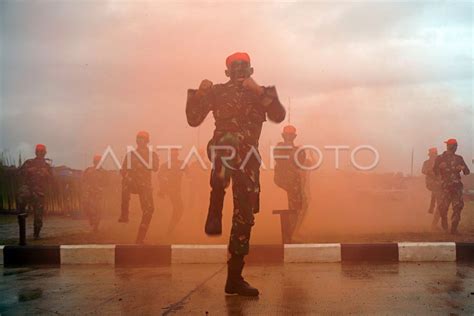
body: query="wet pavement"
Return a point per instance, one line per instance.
(400, 288)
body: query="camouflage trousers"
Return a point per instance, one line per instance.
(145, 193)
(92, 205)
(246, 196)
(177, 205)
(434, 205)
(454, 197)
(35, 200)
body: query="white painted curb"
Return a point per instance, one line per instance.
(198, 253)
(307, 253)
(87, 254)
(433, 251)
(1, 255)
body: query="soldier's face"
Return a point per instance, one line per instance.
(452, 147)
(239, 71)
(142, 142)
(41, 153)
(288, 137)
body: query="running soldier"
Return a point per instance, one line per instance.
(239, 107)
(448, 166)
(35, 176)
(93, 184)
(136, 179)
(433, 184)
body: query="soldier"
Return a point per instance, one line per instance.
(136, 178)
(93, 184)
(35, 174)
(170, 179)
(289, 176)
(448, 166)
(433, 184)
(239, 106)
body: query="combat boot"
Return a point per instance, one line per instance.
(235, 283)
(454, 228)
(213, 223)
(214, 215)
(140, 236)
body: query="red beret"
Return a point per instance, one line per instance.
(97, 158)
(237, 56)
(40, 147)
(451, 141)
(143, 134)
(289, 129)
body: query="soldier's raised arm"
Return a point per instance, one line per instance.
(268, 98)
(199, 103)
(275, 110)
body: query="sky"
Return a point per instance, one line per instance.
(79, 76)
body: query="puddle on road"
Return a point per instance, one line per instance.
(28, 294)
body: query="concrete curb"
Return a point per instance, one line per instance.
(156, 255)
(307, 253)
(198, 253)
(414, 251)
(87, 254)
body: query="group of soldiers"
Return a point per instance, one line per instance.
(239, 107)
(443, 179)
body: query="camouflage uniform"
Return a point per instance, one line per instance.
(451, 187)
(93, 184)
(136, 179)
(239, 115)
(170, 179)
(433, 184)
(35, 175)
(288, 175)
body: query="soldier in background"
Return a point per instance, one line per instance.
(289, 176)
(170, 180)
(93, 183)
(35, 175)
(136, 171)
(433, 184)
(448, 166)
(239, 107)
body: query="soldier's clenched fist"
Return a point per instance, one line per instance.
(251, 85)
(204, 87)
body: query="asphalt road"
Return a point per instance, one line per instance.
(197, 289)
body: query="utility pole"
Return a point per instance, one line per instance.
(289, 110)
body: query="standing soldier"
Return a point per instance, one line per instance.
(239, 106)
(93, 184)
(289, 176)
(136, 179)
(35, 174)
(169, 180)
(448, 165)
(433, 184)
